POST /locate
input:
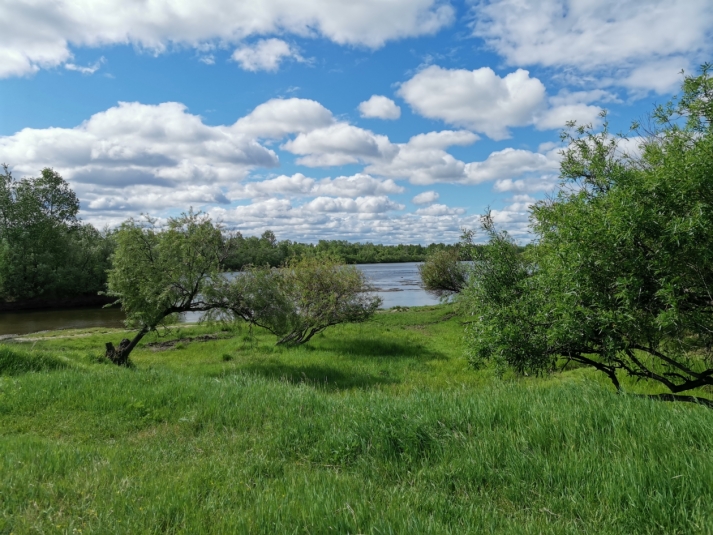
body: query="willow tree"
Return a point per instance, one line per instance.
(158, 273)
(620, 276)
(299, 300)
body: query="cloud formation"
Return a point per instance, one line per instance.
(485, 102)
(427, 197)
(379, 107)
(136, 158)
(639, 44)
(265, 55)
(43, 32)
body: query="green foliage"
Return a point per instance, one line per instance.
(158, 273)
(45, 252)
(443, 272)
(620, 274)
(301, 299)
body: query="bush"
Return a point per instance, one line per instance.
(301, 299)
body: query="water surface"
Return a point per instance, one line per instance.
(396, 284)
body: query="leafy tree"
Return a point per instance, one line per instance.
(158, 273)
(299, 300)
(45, 252)
(621, 272)
(443, 273)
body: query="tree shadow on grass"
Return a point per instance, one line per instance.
(379, 349)
(318, 376)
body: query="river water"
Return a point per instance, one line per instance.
(396, 284)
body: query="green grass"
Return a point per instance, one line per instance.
(374, 428)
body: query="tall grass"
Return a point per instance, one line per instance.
(181, 449)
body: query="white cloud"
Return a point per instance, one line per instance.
(442, 139)
(89, 69)
(298, 185)
(510, 163)
(304, 223)
(557, 117)
(265, 55)
(641, 44)
(427, 197)
(339, 144)
(420, 166)
(40, 34)
(135, 157)
(423, 162)
(278, 117)
(479, 99)
(438, 210)
(423, 159)
(370, 205)
(527, 185)
(380, 107)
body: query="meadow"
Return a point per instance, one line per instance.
(380, 427)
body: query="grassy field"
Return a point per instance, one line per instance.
(373, 428)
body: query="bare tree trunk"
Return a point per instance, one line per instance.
(120, 355)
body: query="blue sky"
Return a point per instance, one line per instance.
(389, 121)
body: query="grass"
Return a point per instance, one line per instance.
(374, 428)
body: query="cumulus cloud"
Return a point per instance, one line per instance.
(379, 107)
(265, 55)
(163, 141)
(424, 161)
(278, 117)
(305, 223)
(42, 32)
(508, 163)
(427, 197)
(483, 101)
(443, 139)
(339, 144)
(135, 157)
(640, 44)
(479, 99)
(439, 210)
(371, 204)
(298, 185)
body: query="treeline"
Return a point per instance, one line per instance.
(46, 253)
(266, 250)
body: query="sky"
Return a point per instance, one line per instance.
(390, 121)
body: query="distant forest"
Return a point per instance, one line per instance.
(266, 250)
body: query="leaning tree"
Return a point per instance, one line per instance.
(158, 273)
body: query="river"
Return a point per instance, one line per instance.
(396, 284)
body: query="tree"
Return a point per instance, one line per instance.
(158, 273)
(621, 271)
(443, 273)
(299, 300)
(42, 240)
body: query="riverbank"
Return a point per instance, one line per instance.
(373, 428)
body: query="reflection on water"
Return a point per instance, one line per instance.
(396, 284)
(31, 321)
